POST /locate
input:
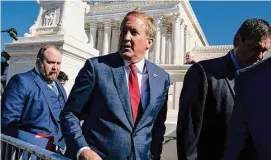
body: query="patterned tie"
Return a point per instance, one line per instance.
(134, 91)
(54, 88)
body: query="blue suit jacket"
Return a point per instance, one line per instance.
(251, 118)
(26, 105)
(100, 97)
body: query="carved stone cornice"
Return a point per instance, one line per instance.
(214, 47)
(122, 4)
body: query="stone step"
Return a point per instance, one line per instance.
(171, 122)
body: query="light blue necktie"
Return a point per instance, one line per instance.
(54, 88)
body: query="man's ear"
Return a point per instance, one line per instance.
(238, 39)
(38, 62)
(150, 42)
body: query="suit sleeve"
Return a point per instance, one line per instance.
(191, 107)
(12, 105)
(75, 107)
(159, 127)
(237, 133)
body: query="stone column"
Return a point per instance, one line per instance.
(157, 39)
(93, 34)
(169, 45)
(190, 40)
(100, 38)
(115, 37)
(176, 37)
(182, 53)
(185, 39)
(163, 44)
(107, 37)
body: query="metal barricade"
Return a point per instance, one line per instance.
(16, 149)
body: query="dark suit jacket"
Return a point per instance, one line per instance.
(100, 97)
(26, 105)
(205, 108)
(251, 117)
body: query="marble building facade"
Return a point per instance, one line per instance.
(87, 29)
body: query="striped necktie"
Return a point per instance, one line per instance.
(54, 88)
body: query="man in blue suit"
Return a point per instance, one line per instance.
(122, 99)
(32, 102)
(251, 114)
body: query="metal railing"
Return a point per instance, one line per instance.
(15, 149)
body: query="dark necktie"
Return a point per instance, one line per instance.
(134, 91)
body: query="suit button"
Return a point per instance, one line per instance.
(56, 129)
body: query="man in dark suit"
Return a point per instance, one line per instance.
(207, 97)
(32, 102)
(251, 114)
(122, 99)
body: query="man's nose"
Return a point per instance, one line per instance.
(127, 36)
(54, 67)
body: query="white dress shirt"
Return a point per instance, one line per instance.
(142, 76)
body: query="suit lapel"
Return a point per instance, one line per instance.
(230, 84)
(120, 82)
(40, 83)
(230, 72)
(153, 79)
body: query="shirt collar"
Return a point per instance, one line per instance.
(139, 65)
(235, 63)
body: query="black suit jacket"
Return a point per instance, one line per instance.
(251, 113)
(205, 107)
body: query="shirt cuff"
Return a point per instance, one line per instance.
(79, 152)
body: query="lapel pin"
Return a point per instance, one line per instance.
(154, 75)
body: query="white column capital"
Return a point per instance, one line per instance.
(176, 17)
(115, 25)
(182, 23)
(158, 19)
(100, 27)
(169, 29)
(93, 24)
(107, 24)
(185, 28)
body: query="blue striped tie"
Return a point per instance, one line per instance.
(54, 88)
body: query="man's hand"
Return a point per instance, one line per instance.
(88, 154)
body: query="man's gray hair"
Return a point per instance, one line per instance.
(189, 54)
